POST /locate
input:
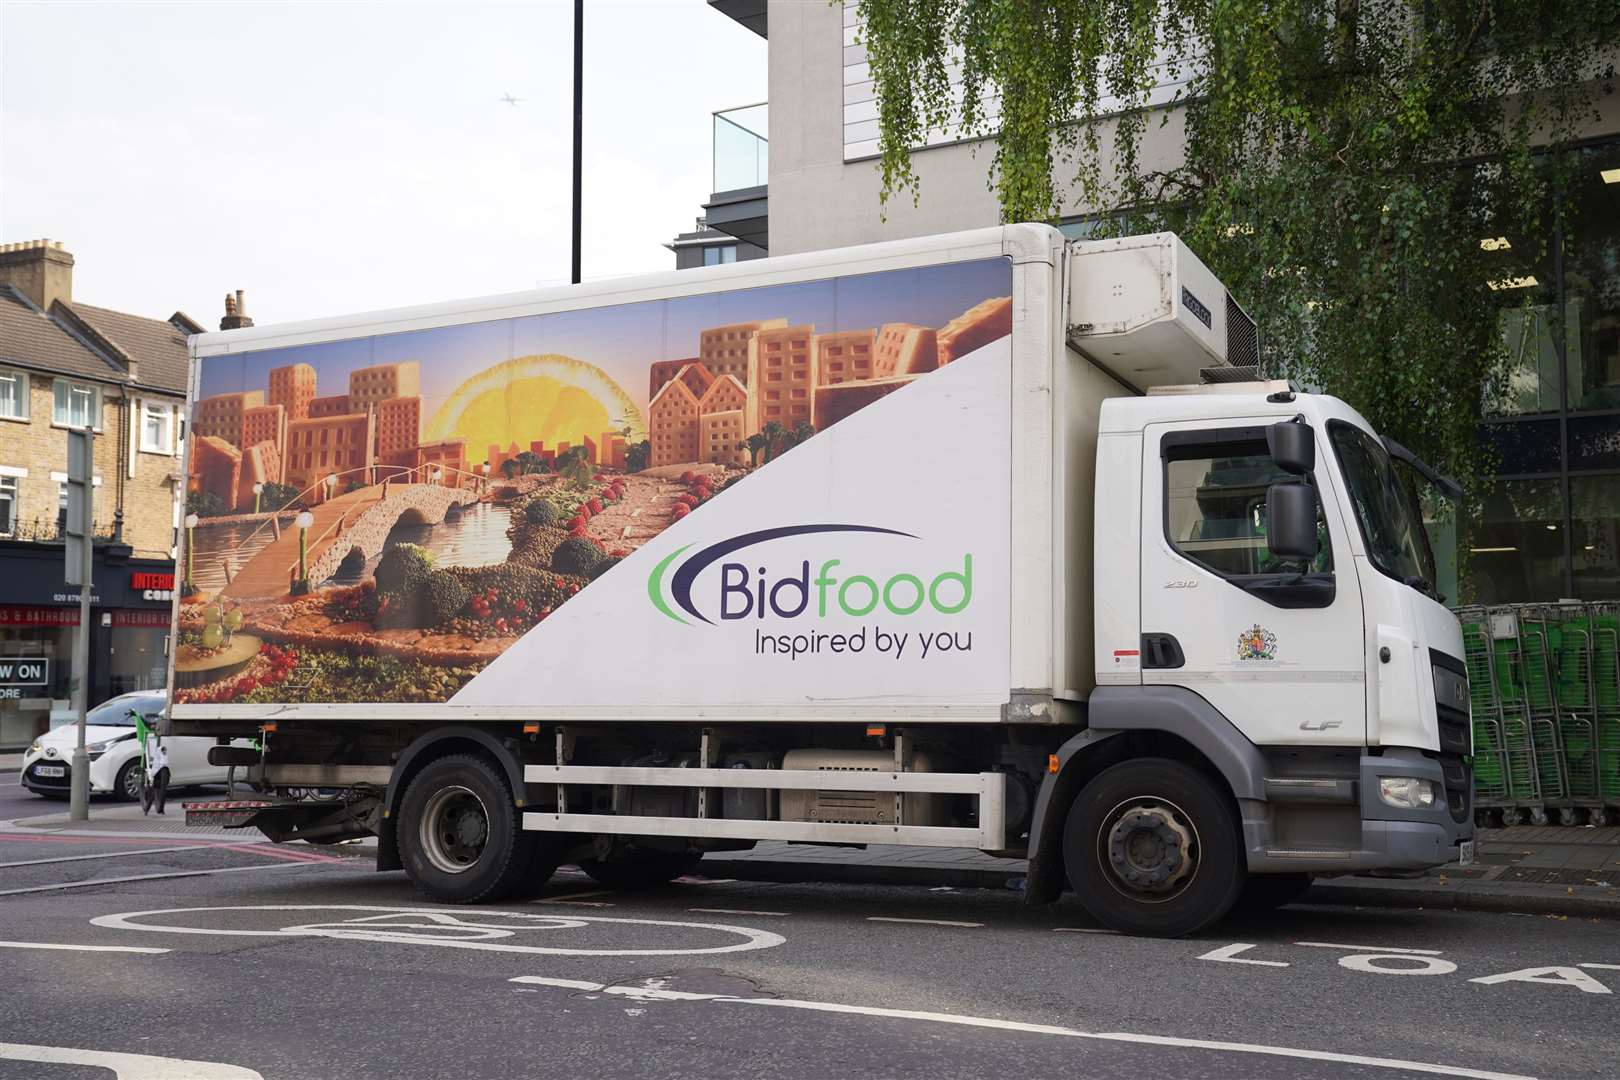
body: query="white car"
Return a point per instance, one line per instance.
(115, 753)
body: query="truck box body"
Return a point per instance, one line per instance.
(975, 540)
(913, 552)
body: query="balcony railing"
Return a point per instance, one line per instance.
(742, 147)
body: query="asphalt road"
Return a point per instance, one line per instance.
(322, 968)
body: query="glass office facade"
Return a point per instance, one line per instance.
(1549, 526)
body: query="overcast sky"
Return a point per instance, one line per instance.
(332, 157)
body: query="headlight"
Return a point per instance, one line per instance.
(35, 748)
(1406, 792)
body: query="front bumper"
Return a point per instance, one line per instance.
(59, 785)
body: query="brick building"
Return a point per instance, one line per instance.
(451, 458)
(221, 415)
(844, 356)
(721, 437)
(371, 386)
(332, 405)
(293, 388)
(904, 349)
(976, 327)
(65, 363)
(781, 377)
(672, 425)
(267, 424)
(331, 446)
(724, 349)
(399, 430)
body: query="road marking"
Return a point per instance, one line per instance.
(924, 922)
(150, 877)
(459, 929)
(261, 848)
(1370, 962)
(1228, 954)
(1034, 1029)
(1602, 967)
(128, 1066)
(735, 911)
(78, 948)
(1551, 976)
(103, 855)
(1082, 930)
(1367, 948)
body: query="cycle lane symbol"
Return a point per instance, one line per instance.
(482, 930)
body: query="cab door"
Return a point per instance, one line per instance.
(1275, 646)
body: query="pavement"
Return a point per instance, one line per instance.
(10, 763)
(219, 961)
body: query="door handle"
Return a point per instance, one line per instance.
(1161, 651)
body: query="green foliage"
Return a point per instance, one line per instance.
(277, 496)
(603, 565)
(205, 504)
(637, 455)
(403, 567)
(443, 597)
(576, 555)
(1339, 167)
(541, 512)
(575, 467)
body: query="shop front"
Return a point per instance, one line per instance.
(129, 620)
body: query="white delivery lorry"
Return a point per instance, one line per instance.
(985, 540)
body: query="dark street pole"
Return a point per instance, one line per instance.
(579, 94)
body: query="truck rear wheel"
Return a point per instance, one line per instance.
(643, 869)
(1153, 847)
(459, 834)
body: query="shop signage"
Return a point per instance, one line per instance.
(152, 586)
(38, 616)
(25, 671)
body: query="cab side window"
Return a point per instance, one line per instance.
(1215, 503)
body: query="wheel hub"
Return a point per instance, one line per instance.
(1149, 850)
(455, 828)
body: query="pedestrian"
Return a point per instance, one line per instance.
(157, 777)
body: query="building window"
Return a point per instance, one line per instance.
(719, 254)
(8, 505)
(77, 405)
(157, 428)
(13, 394)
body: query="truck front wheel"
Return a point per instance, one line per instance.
(459, 834)
(1153, 847)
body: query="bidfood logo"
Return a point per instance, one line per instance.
(805, 590)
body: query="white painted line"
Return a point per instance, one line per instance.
(692, 880)
(128, 1066)
(924, 922)
(575, 903)
(735, 911)
(1367, 948)
(561, 984)
(1046, 1029)
(1602, 967)
(154, 877)
(1228, 954)
(1082, 930)
(105, 855)
(78, 948)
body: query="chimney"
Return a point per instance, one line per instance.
(40, 269)
(236, 316)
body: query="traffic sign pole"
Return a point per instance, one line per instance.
(81, 489)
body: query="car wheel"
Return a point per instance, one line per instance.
(127, 786)
(460, 838)
(1153, 847)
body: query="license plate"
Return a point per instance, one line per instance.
(1465, 853)
(50, 770)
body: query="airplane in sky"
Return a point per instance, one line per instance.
(509, 99)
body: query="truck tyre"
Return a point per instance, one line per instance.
(459, 834)
(1153, 847)
(1267, 892)
(642, 870)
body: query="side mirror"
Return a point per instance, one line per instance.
(1291, 519)
(1293, 446)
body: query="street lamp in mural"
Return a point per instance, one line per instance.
(300, 585)
(189, 587)
(484, 471)
(331, 484)
(258, 492)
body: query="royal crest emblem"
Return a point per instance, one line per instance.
(1257, 643)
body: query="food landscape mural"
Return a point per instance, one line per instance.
(376, 519)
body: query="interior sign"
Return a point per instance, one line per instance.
(25, 671)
